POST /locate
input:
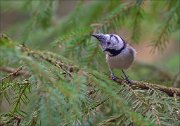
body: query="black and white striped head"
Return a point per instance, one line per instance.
(109, 41)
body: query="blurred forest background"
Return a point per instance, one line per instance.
(52, 72)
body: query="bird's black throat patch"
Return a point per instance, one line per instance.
(115, 52)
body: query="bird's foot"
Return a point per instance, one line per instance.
(113, 77)
(128, 81)
(126, 78)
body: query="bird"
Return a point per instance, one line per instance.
(119, 54)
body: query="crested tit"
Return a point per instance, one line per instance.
(119, 54)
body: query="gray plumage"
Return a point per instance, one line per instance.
(119, 54)
(123, 60)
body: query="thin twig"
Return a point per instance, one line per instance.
(20, 96)
(155, 113)
(110, 120)
(100, 103)
(12, 120)
(14, 73)
(11, 70)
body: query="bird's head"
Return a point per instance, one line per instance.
(109, 41)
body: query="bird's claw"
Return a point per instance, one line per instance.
(128, 81)
(114, 77)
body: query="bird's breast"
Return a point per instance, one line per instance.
(122, 60)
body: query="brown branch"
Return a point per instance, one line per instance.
(12, 70)
(13, 73)
(171, 91)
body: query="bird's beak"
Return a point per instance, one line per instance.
(100, 37)
(94, 35)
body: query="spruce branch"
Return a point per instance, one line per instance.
(97, 105)
(113, 17)
(110, 120)
(162, 39)
(137, 95)
(93, 54)
(52, 59)
(155, 113)
(13, 120)
(145, 85)
(136, 117)
(49, 57)
(13, 73)
(67, 94)
(135, 84)
(144, 103)
(21, 96)
(12, 70)
(137, 16)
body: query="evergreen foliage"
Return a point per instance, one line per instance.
(57, 75)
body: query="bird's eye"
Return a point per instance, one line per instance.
(108, 43)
